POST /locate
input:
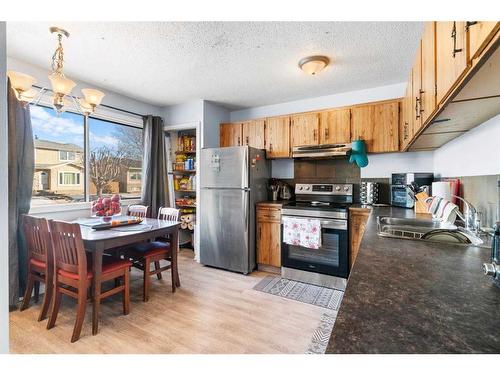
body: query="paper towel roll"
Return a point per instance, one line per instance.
(442, 189)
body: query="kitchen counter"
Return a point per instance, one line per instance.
(278, 203)
(406, 296)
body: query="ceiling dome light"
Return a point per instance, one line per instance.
(313, 64)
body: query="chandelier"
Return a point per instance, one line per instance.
(23, 84)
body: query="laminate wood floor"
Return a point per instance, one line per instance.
(214, 311)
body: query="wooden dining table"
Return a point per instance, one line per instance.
(114, 239)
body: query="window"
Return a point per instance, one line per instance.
(135, 176)
(67, 155)
(69, 178)
(114, 157)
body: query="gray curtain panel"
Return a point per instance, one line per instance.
(154, 166)
(21, 168)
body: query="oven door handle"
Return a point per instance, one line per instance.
(327, 224)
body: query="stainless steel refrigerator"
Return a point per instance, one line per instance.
(233, 179)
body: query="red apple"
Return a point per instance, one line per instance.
(106, 202)
(109, 212)
(117, 210)
(99, 200)
(115, 198)
(100, 213)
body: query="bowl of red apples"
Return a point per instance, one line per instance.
(106, 207)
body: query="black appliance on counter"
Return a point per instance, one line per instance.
(329, 265)
(400, 193)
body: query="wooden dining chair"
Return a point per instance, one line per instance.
(40, 262)
(73, 276)
(146, 254)
(137, 210)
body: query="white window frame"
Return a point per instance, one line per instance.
(61, 174)
(129, 176)
(67, 154)
(104, 114)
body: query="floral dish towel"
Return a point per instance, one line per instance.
(302, 232)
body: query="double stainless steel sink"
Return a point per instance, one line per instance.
(425, 230)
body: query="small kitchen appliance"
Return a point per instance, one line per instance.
(401, 194)
(329, 264)
(368, 192)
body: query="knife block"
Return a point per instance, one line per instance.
(420, 205)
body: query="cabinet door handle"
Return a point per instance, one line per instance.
(405, 131)
(468, 24)
(327, 133)
(417, 112)
(270, 147)
(239, 141)
(246, 140)
(314, 134)
(454, 36)
(421, 101)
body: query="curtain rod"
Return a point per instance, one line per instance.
(103, 105)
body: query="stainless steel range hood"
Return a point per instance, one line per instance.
(321, 151)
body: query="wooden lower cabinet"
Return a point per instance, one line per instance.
(268, 235)
(357, 222)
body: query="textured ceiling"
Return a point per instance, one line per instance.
(237, 64)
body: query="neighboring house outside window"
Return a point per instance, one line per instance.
(69, 178)
(60, 170)
(67, 155)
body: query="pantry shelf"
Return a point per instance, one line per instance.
(185, 171)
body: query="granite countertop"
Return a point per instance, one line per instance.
(406, 296)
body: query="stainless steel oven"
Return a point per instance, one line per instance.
(332, 258)
(329, 264)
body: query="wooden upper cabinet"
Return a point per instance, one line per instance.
(416, 90)
(230, 134)
(335, 126)
(428, 72)
(451, 56)
(406, 123)
(305, 129)
(378, 125)
(253, 133)
(480, 33)
(277, 136)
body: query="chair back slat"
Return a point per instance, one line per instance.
(68, 247)
(168, 213)
(137, 210)
(36, 232)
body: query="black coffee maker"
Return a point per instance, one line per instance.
(493, 268)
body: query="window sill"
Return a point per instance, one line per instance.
(74, 206)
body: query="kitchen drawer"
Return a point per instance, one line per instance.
(269, 214)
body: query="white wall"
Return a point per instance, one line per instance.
(322, 102)
(213, 115)
(383, 165)
(191, 111)
(4, 199)
(475, 153)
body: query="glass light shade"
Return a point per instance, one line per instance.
(93, 97)
(313, 64)
(20, 81)
(86, 107)
(60, 84)
(27, 96)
